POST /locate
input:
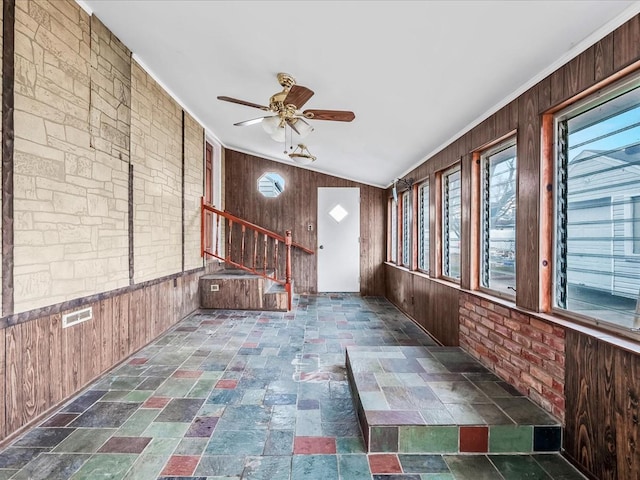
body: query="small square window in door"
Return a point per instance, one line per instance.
(338, 213)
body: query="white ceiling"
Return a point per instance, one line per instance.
(416, 73)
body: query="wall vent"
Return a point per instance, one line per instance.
(79, 316)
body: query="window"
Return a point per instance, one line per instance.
(393, 231)
(406, 229)
(423, 227)
(635, 228)
(498, 220)
(451, 213)
(597, 232)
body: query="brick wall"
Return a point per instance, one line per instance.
(525, 351)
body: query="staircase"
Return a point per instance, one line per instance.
(233, 288)
(258, 261)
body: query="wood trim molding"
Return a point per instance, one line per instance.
(8, 75)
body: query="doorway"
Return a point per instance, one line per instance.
(338, 239)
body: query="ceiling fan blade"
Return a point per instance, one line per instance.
(253, 121)
(298, 96)
(335, 115)
(242, 102)
(293, 126)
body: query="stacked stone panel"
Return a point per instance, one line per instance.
(70, 200)
(156, 155)
(193, 185)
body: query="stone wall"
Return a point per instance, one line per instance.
(70, 198)
(193, 188)
(156, 156)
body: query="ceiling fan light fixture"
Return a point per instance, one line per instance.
(271, 125)
(301, 155)
(279, 135)
(302, 128)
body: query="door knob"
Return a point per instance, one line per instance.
(321, 247)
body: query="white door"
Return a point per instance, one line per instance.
(338, 239)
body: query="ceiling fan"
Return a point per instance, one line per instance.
(285, 110)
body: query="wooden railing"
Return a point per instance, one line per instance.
(248, 246)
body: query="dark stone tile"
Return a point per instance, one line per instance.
(423, 464)
(401, 365)
(524, 412)
(202, 427)
(125, 445)
(52, 466)
(44, 437)
(18, 457)
(397, 476)
(151, 383)
(106, 415)
(547, 439)
(180, 410)
(442, 377)
(471, 467)
(84, 401)
(383, 439)
(245, 417)
(394, 417)
(337, 410)
(60, 420)
(340, 429)
(557, 467)
(308, 404)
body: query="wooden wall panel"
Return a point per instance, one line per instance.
(3, 376)
(431, 304)
(41, 364)
(296, 208)
(603, 58)
(602, 392)
(626, 43)
(528, 201)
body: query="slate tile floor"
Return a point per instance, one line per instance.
(246, 395)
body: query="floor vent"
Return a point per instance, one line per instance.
(71, 319)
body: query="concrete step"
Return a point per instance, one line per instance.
(435, 400)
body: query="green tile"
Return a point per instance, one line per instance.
(314, 467)
(557, 466)
(267, 468)
(233, 442)
(191, 446)
(114, 395)
(201, 389)
(175, 387)
(429, 439)
(253, 396)
(510, 439)
(471, 467)
(113, 466)
(138, 422)
(147, 466)
(207, 375)
(436, 476)
(166, 429)
(137, 396)
(162, 446)
(211, 410)
(85, 440)
(354, 467)
(350, 445)
(517, 467)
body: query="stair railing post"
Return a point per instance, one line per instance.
(202, 217)
(287, 285)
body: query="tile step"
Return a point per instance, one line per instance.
(408, 400)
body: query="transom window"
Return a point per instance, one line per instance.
(597, 266)
(423, 226)
(498, 225)
(451, 214)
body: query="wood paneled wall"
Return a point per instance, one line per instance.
(46, 364)
(296, 208)
(427, 302)
(602, 386)
(601, 393)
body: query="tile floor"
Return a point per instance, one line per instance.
(246, 395)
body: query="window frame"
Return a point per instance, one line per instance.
(392, 245)
(444, 219)
(423, 218)
(482, 252)
(581, 105)
(406, 223)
